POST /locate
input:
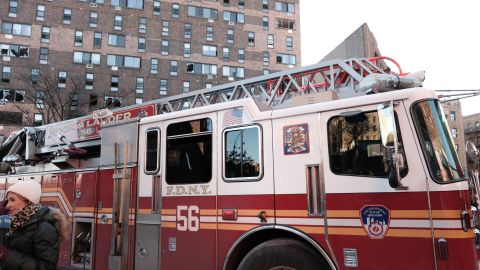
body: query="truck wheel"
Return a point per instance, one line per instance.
(282, 254)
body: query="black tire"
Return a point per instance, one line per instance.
(283, 254)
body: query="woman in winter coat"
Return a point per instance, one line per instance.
(33, 241)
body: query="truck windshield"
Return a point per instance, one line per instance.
(437, 144)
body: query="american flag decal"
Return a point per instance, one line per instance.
(233, 117)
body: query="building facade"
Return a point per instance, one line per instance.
(91, 54)
(453, 114)
(471, 124)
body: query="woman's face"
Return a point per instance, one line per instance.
(15, 203)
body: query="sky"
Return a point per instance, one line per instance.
(441, 37)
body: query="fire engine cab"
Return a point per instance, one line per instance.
(339, 165)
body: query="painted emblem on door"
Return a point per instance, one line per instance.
(295, 139)
(375, 220)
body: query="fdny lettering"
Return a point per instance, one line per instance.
(188, 190)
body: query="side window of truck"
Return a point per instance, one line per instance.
(189, 152)
(152, 151)
(242, 153)
(355, 146)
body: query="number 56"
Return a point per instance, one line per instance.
(189, 221)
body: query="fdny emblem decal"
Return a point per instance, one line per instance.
(375, 220)
(295, 139)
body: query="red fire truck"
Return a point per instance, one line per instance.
(338, 165)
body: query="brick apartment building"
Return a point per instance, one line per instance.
(453, 113)
(109, 53)
(471, 124)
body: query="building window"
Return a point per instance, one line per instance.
(251, 38)
(88, 81)
(164, 48)
(208, 50)
(201, 69)
(189, 152)
(156, 8)
(187, 30)
(175, 11)
(78, 38)
(241, 56)
(67, 16)
(12, 8)
(270, 41)
(163, 87)
(138, 100)
(241, 4)
(209, 33)
(97, 40)
(14, 50)
(43, 56)
(230, 36)
(265, 5)
(165, 28)
(186, 87)
(265, 22)
(469, 127)
(142, 25)
(92, 101)
(453, 116)
(285, 7)
(116, 40)
(123, 61)
(290, 43)
(286, 59)
(285, 24)
(113, 102)
(114, 83)
(154, 66)
(206, 13)
(173, 68)
(39, 95)
(477, 126)
(40, 13)
(93, 18)
(233, 17)
(139, 85)
(62, 79)
(34, 76)
(141, 44)
(86, 58)
(6, 73)
(238, 72)
(45, 35)
(16, 29)
(117, 24)
(266, 58)
(478, 141)
(37, 119)
(73, 102)
(226, 53)
(136, 4)
(266, 72)
(454, 132)
(187, 49)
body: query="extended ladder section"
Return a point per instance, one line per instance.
(277, 89)
(80, 138)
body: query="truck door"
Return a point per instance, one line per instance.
(369, 224)
(189, 221)
(449, 195)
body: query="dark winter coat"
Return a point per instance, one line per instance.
(36, 245)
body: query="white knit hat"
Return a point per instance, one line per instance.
(30, 190)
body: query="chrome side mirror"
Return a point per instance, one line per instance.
(386, 119)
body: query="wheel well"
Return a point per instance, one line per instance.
(257, 237)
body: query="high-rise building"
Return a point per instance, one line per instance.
(62, 59)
